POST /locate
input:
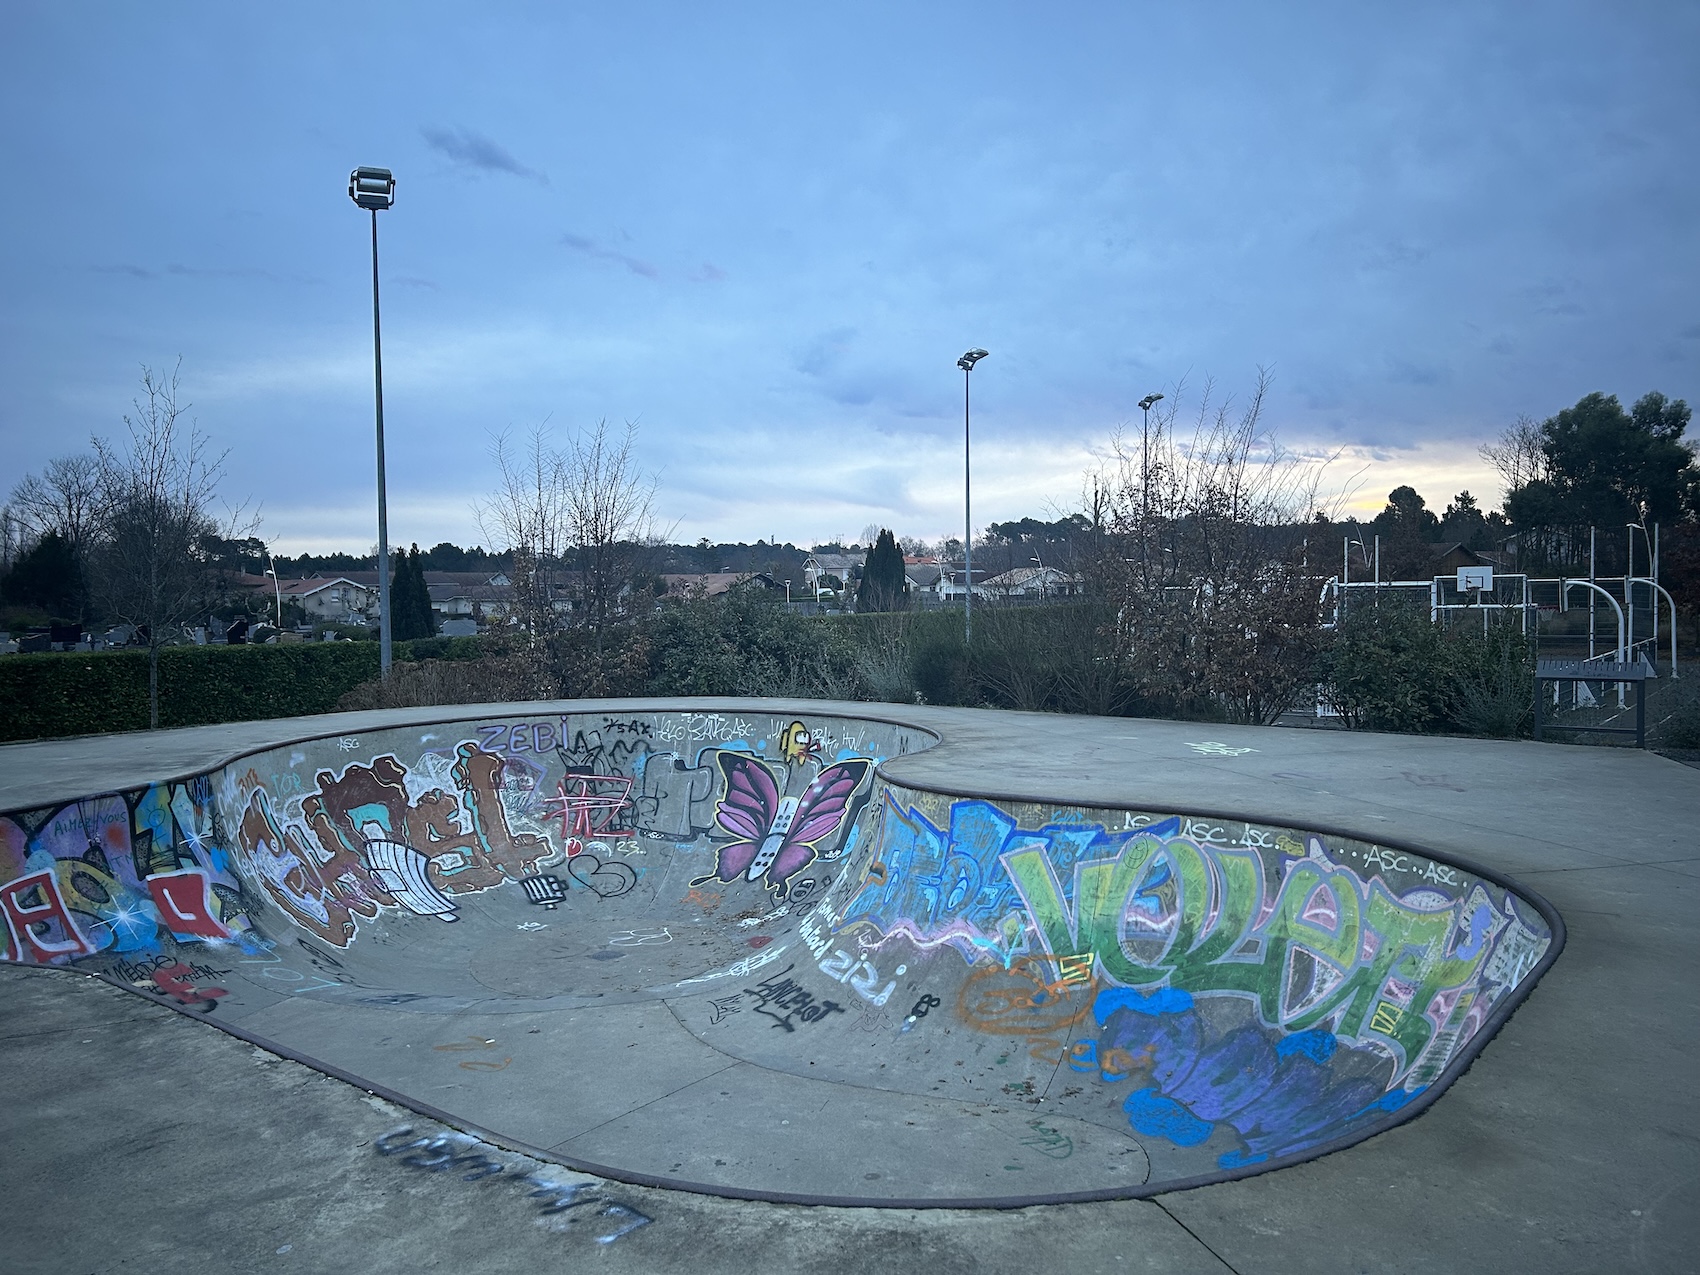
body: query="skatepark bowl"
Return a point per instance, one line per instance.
(734, 952)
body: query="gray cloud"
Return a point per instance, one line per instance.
(200, 272)
(1404, 372)
(590, 248)
(825, 352)
(471, 149)
(205, 272)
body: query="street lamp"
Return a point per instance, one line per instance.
(1629, 587)
(1040, 562)
(374, 190)
(1145, 454)
(966, 363)
(278, 589)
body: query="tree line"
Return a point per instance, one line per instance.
(1203, 539)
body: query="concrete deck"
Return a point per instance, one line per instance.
(1571, 1144)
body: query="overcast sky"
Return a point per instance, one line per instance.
(766, 232)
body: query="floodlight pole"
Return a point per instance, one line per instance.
(966, 363)
(967, 521)
(383, 509)
(276, 587)
(1145, 480)
(374, 190)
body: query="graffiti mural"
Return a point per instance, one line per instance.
(550, 807)
(1209, 995)
(114, 875)
(774, 837)
(1250, 985)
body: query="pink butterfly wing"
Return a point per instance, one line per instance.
(820, 812)
(752, 797)
(733, 859)
(824, 805)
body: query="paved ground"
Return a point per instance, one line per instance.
(1572, 1144)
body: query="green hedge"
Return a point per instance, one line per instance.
(51, 695)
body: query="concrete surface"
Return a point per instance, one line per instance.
(1569, 1145)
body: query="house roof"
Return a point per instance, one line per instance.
(494, 578)
(1442, 549)
(1016, 577)
(952, 574)
(471, 592)
(835, 564)
(316, 584)
(711, 583)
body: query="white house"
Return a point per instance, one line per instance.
(922, 578)
(950, 584)
(844, 566)
(1031, 582)
(337, 598)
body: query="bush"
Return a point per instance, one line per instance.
(48, 696)
(1391, 668)
(1679, 725)
(1058, 658)
(1492, 680)
(494, 679)
(744, 643)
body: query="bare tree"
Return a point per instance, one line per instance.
(1519, 454)
(13, 531)
(156, 493)
(66, 497)
(529, 514)
(613, 520)
(1197, 551)
(579, 521)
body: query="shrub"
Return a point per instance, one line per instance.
(48, 696)
(1384, 670)
(1679, 726)
(1491, 679)
(494, 679)
(745, 643)
(1392, 668)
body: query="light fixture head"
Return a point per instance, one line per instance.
(968, 360)
(1145, 403)
(372, 188)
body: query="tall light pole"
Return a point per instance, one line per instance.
(277, 588)
(1145, 453)
(374, 190)
(966, 363)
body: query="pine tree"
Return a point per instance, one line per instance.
(410, 600)
(883, 586)
(427, 619)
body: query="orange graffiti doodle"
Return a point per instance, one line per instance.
(1024, 1001)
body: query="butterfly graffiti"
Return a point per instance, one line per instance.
(773, 836)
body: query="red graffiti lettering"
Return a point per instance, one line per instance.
(173, 980)
(588, 806)
(23, 918)
(184, 899)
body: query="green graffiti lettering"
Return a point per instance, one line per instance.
(1218, 894)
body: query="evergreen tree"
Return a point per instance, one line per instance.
(883, 586)
(1406, 527)
(410, 600)
(49, 577)
(1596, 465)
